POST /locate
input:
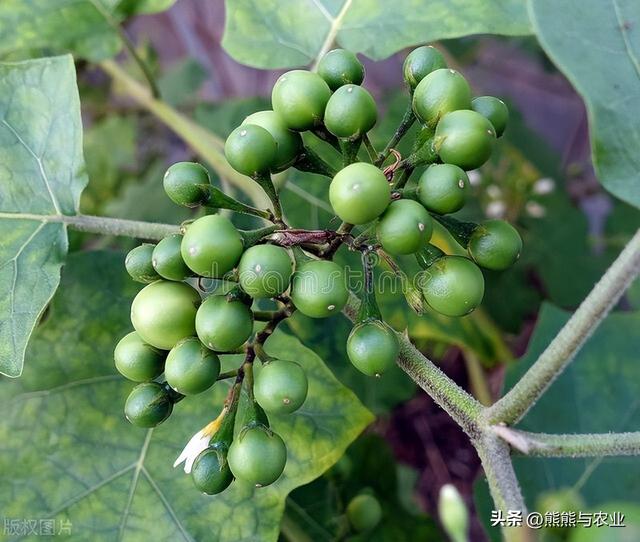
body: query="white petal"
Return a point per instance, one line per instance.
(198, 442)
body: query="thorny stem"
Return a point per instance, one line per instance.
(517, 402)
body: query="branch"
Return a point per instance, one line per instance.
(205, 144)
(516, 403)
(103, 225)
(460, 405)
(503, 484)
(585, 445)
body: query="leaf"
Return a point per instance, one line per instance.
(77, 26)
(41, 173)
(368, 466)
(272, 34)
(598, 50)
(74, 457)
(597, 393)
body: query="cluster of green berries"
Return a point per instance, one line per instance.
(181, 330)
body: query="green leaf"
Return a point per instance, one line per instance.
(597, 393)
(598, 50)
(41, 173)
(368, 466)
(273, 34)
(78, 26)
(74, 457)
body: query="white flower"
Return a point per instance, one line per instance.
(496, 209)
(198, 443)
(543, 186)
(535, 210)
(474, 177)
(494, 191)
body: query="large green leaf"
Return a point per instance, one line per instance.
(41, 173)
(599, 51)
(597, 393)
(83, 27)
(282, 34)
(73, 456)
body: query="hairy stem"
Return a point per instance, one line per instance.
(515, 404)
(460, 405)
(104, 225)
(205, 144)
(503, 484)
(585, 445)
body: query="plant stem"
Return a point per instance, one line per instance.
(407, 121)
(477, 377)
(204, 143)
(371, 151)
(515, 404)
(129, 46)
(103, 225)
(585, 445)
(503, 484)
(460, 405)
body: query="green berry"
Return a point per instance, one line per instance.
(439, 93)
(251, 150)
(340, 67)
(191, 368)
(421, 62)
(404, 228)
(137, 360)
(464, 138)
(443, 188)
(163, 313)
(495, 244)
(223, 325)
(299, 97)
(350, 113)
(281, 387)
(148, 405)
(364, 512)
(453, 286)
(372, 347)
(564, 499)
(288, 143)
(265, 271)
(186, 183)
(493, 109)
(167, 259)
(359, 193)
(319, 289)
(139, 265)
(210, 472)
(257, 456)
(212, 246)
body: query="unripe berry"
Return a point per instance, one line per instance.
(443, 188)
(186, 184)
(251, 150)
(493, 109)
(350, 113)
(300, 97)
(439, 93)
(464, 138)
(421, 62)
(340, 67)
